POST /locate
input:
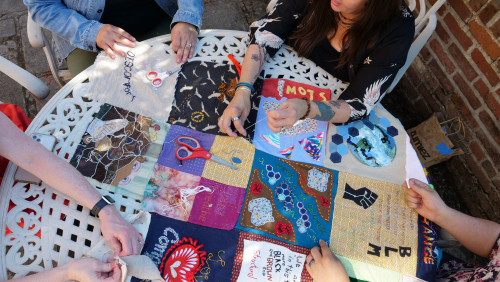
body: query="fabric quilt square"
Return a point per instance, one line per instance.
(373, 225)
(188, 252)
(134, 184)
(219, 208)
(281, 261)
(294, 143)
(112, 143)
(204, 89)
(123, 81)
(279, 202)
(171, 192)
(373, 147)
(236, 151)
(168, 157)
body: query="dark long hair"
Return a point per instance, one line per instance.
(320, 20)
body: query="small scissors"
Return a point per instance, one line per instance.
(158, 77)
(190, 148)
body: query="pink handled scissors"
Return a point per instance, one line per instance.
(158, 77)
(190, 148)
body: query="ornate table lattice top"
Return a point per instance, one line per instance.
(67, 229)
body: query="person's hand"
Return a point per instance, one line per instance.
(90, 269)
(108, 38)
(238, 108)
(119, 233)
(425, 200)
(184, 36)
(288, 113)
(324, 266)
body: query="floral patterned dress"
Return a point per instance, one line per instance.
(455, 271)
(369, 76)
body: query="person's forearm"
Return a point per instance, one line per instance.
(16, 146)
(68, 23)
(253, 63)
(476, 234)
(61, 176)
(52, 275)
(331, 111)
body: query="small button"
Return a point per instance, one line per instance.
(351, 66)
(99, 11)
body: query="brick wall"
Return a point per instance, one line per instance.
(457, 73)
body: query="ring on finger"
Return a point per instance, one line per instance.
(189, 45)
(311, 262)
(236, 118)
(221, 118)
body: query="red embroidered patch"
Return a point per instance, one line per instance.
(256, 188)
(281, 228)
(324, 201)
(182, 261)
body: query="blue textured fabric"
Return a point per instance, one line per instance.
(218, 246)
(289, 201)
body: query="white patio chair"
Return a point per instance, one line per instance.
(425, 24)
(37, 40)
(35, 86)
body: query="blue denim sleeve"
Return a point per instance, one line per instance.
(69, 24)
(189, 11)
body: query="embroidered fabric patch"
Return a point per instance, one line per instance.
(134, 184)
(183, 260)
(171, 192)
(287, 152)
(373, 224)
(377, 147)
(219, 208)
(281, 261)
(317, 180)
(180, 249)
(274, 92)
(108, 150)
(168, 157)
(280, 204)
(229, 148)
(312, 145)
(261, 210)
(204, 89)
(272, 139)
(280, 89)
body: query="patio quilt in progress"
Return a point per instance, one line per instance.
(314, 181)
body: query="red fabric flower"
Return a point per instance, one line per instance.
(256, 188)
(324, 201)
(282, 227)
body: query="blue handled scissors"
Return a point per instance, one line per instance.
(158, 77)
(190, 148)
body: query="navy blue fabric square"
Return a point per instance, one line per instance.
(174, 245)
